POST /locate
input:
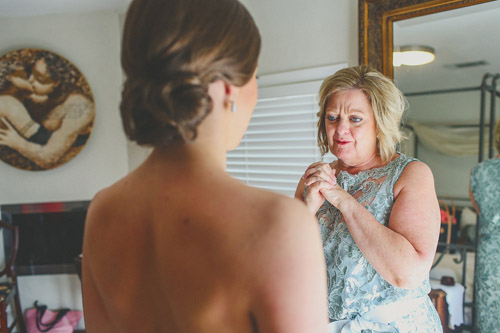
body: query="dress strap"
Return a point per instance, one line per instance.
(399, 167)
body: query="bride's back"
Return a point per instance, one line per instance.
(194, 253)
(179, 248)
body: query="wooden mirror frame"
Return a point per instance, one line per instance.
(376, 19)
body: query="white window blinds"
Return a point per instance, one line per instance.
(281, 138)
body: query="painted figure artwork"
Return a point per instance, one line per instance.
(46, 110)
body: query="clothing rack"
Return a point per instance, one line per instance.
(488, 86)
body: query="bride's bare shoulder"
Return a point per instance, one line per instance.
(278, 211)
(110, 201)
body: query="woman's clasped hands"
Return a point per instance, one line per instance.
(321, 184)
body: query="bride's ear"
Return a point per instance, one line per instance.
(216, 91)
(230, 93)
(223, 94)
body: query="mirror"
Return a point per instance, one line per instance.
(446, 92)
(445, 95)
(376, 20)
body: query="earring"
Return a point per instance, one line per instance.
(233, 107)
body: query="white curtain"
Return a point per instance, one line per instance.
(450, 140)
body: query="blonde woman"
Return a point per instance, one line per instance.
(377, 209)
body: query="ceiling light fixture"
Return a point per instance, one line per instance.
(412, 55)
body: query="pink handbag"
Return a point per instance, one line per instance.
(40, 320)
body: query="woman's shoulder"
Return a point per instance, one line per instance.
(101, 206)
(111, 200)
(273, 206)
(401, 161)
(414, 169)
(413, 176)
(273, 216)
(285, 233)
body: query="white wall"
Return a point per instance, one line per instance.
(91, 42)
(298, 34)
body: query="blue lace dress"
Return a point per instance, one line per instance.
(485, 187)
(354, 287)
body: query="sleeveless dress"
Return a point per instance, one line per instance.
(485, 187)
(354, 287)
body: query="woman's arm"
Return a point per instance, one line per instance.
(401, 253)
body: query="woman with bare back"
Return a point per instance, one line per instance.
(178, 245)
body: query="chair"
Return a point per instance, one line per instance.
(438, 298)
(9, 291)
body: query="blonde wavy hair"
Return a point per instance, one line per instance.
(387, 102)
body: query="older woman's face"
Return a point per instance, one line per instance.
(350, 127)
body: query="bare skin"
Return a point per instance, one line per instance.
(185, 247)
(402, 253)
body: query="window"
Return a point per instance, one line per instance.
(281, 140)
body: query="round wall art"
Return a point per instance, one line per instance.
(46, 109)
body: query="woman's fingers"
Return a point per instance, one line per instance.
(318, 166)
(317, 178)
(321, 184)
(322, 171)
(312, 167)
(313, 198)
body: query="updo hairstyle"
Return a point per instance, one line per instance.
(172, 50)
(387, 102)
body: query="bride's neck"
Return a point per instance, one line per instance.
(197, 154)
